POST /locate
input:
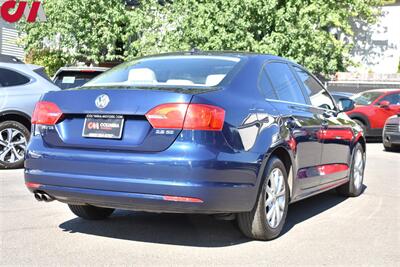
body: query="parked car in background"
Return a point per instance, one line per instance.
(337, 96)
(391, 133)
(214, 133)
(21, 86)
(373, 107)
(72, 77)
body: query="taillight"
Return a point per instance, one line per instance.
(167, 116)
(46, 113)
(187, 117)
(204, 117)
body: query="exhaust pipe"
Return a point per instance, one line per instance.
(43, 197)
(47, 198)
(38, 197)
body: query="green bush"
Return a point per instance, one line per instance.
(51, 60)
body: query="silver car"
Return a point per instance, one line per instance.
(21, 86)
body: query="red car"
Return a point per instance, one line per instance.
(373, 107)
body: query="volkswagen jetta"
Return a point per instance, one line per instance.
(212, 133)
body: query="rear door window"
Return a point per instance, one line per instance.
(266, 87)
(319, 97)
(284, 83)
(12, 78)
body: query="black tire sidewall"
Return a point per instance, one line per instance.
(20, 127)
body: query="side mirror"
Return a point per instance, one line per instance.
(345, 104)
(384, 104)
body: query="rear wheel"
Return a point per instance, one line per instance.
(266, 220)
(91, 212)
(14, 138)
(354, 187)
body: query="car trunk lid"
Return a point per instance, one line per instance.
(132, 104)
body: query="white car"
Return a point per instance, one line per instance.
(21, 86)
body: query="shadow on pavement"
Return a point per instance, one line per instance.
(190, 230)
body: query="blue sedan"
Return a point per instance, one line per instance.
(212, 133)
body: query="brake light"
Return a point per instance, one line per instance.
(204, 117)
(167, 116)
(187, 116)
(46, 113)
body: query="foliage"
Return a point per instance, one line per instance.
(87, 30)
(52, 60)
(314, 33)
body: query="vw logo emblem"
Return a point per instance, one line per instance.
(102, 101)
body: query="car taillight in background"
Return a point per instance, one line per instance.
(46, 113)
(187, 116)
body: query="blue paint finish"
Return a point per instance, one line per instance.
(222, 168)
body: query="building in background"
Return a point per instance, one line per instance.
(8, 41)
(377, 47)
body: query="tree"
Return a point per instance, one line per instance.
(314, 33)
(89, 30)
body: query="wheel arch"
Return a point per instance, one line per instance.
(362, 118)
(284, 154)
(18, 116)
(363, 143)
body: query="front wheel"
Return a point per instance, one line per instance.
(266, 220)
(91, 212)
(355, 185)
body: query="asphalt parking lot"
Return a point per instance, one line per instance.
(323, 230)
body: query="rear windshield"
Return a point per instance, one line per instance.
(169, 71)
(366, 98)
(73, 79)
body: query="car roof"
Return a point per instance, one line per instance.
(21, 66)
(386, 90)
(9, 59)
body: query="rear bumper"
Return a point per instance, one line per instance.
(219, 200)
(156, 182)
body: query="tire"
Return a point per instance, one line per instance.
(387, 147)
(354, 187)
(14, 138)
(362, 124)
(90, 212)
(391, 148)
(255, 224)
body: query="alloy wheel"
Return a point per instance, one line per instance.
(275, 198)
(12, 145)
